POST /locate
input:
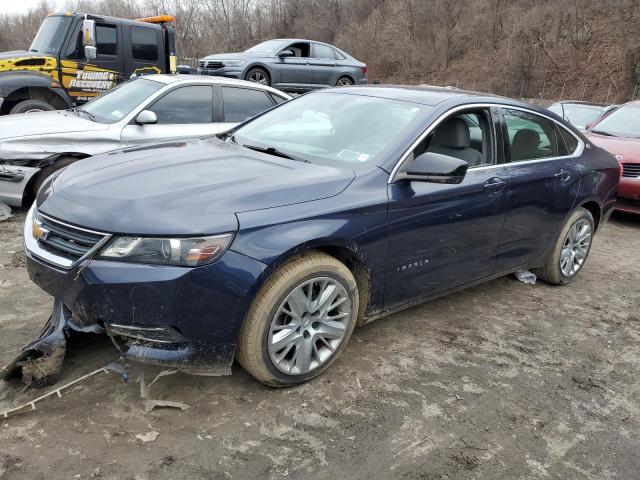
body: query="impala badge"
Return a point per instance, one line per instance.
(38, 231)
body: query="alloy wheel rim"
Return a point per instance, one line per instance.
(34, 110)
(344, 83)
(258, 77)
(575, 248)
(309, 325)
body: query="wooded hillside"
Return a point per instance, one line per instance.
(522, 48)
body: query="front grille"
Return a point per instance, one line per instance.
(213, 65)
(631, 170)
(201, 64)
(65, 240)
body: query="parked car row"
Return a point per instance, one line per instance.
(270, 242)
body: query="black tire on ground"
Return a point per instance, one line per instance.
(344, 82)
(551, 272)
(46, 172)
(256, 74)
(27, 106)
(252, 352)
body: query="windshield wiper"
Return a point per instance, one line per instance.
(273, 151)
(601, 132)
(91, 116)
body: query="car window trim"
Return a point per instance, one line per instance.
(444, 115)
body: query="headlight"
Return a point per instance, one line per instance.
(233, 63)
(186, 252)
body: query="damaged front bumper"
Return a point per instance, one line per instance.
(177, 317)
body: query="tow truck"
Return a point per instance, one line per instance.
(75, 57)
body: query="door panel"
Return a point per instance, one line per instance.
(83, 80)
(294, 71)
(443, 236)
(322, 65)
(542, 192)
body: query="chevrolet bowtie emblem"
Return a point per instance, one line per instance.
(38, 231)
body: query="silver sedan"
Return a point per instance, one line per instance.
(147, 109)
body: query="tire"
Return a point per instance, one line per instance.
(344, 82)
(266, 320)
(28, 106)
(553, 271)
(48, 171)
(258, 75)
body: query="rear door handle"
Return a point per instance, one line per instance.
(563, 175)
(495, 184)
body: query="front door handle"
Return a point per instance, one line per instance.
(495, 184)
(563, 175)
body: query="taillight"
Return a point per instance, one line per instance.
(364, 70)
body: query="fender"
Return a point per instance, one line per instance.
(13, 81)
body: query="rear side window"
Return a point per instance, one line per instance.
(193, 104)
(323, 51)
(107, 39)
(569, 141)
(241, 104)
(531, 137)
(144, 44)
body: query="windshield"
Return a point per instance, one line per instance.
(49, 37)
(624, 122)
(114, 105)
(331, 126)
(270, 46)
(579, 115)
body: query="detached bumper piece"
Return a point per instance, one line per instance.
(40, 362)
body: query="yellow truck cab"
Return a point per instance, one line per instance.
(75, 57)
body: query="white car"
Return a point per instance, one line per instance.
(148, 109)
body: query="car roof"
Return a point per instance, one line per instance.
(426, 95)
(580, 102)
(177, 78)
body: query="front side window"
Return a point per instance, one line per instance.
(193, 104)
(332, 127)
(323, 51)
(466, 136)
(144, 44)
(531, 137)
(300, 49)
(117, 103)
(240, 104)
(50, 35)
(107, 39)
(75, 49)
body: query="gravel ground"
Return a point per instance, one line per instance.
(500, 381)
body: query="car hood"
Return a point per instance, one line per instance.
(45, 123)
(627, 150)
(183, 188)
(33, 136)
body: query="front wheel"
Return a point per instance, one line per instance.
(300, 321)
(571, 250)
(258, 75)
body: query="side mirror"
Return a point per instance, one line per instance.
(89, 39)
(146, 117)
(435, 168)
(286, 53)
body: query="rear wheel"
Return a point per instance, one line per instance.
(344, 82)
(571, 250)
(258, 75)
(29, 106)
(48, 171)
(300, 321)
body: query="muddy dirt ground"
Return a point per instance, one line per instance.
(501, 381)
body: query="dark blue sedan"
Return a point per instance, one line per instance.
(272, 242)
